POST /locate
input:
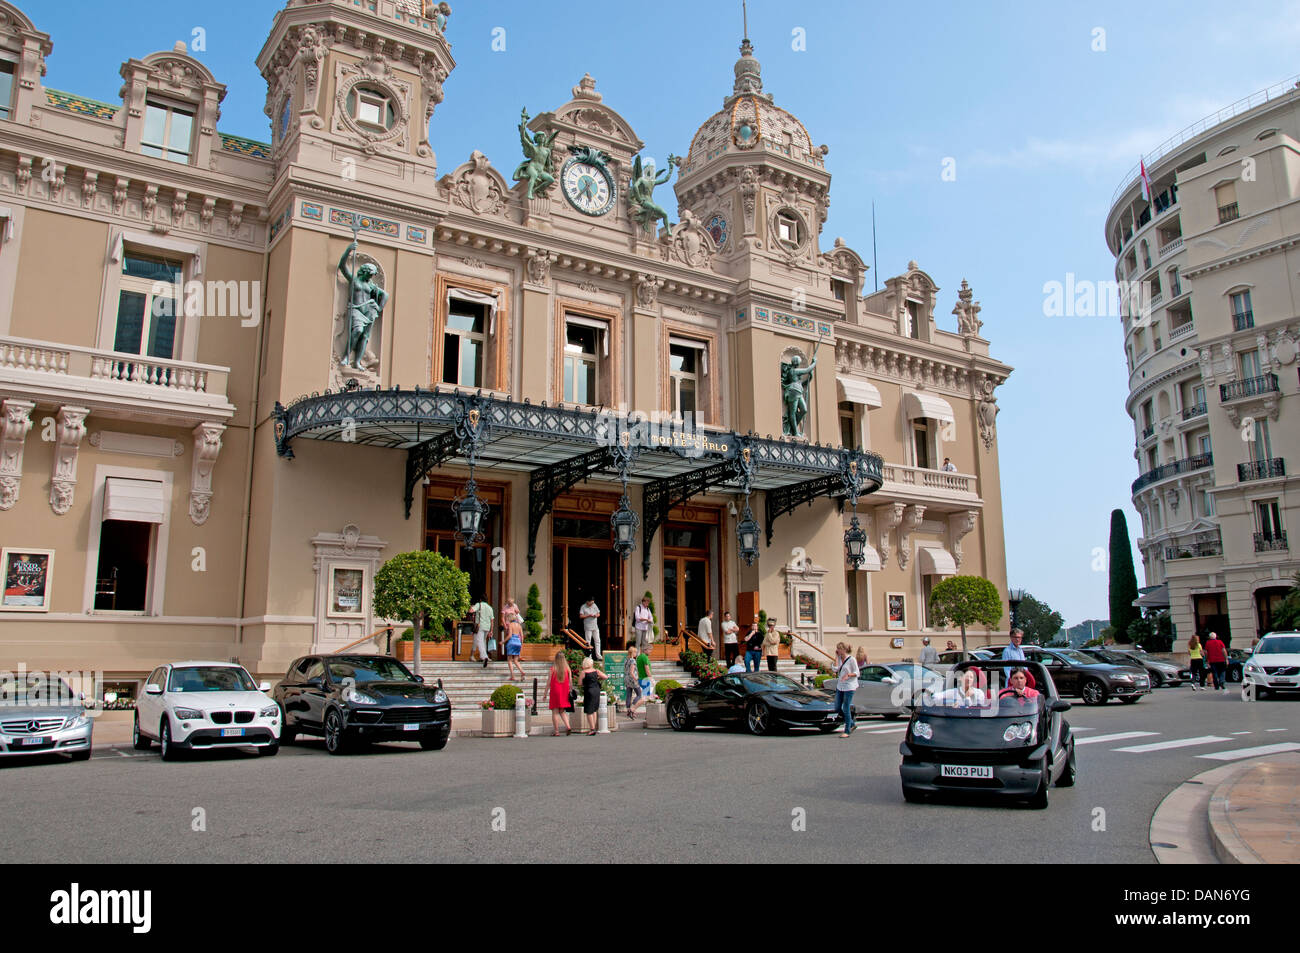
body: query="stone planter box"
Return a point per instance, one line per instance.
(429, 651)
(500, 724)
(538, 651)
(656, 715)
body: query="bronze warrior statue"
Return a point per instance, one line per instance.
(366, 302)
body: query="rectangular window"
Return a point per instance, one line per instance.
(1250, 365)
(1202, 444)
(1240, 303)
(122, 579)
(1146, 414)
(147, 308)
(582, 361)
(1207, 503)
(688, 365)
(921, 444)
(1268, 519)
(168, 132)
(848, 426)
(1225, 197)
(6, 89)
(837, 289)
(913, 320)
(464, 344)
(1198, 395)
(851, 618)
(1262, 447)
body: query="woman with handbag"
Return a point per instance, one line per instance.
(513, 624)
(560, 694)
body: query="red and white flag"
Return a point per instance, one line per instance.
(1146, 180)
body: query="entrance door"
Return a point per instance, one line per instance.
(1212, 616)
(475, 561)
(686, 594)
(584, 565)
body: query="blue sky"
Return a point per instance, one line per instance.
(1041, 127)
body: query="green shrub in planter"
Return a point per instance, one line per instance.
(533, 615)
(819, 680)
(504, 697)
(666, 685)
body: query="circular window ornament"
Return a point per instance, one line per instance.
(373, 110)
(789, 231)
(717, 229)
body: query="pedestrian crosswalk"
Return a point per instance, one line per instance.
(1251, 752)
(1118, 736)
(1174, 743)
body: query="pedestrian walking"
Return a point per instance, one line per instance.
(753, 646)
(1216, 655)
(730, 643)
(590, 615)
(1197, 663)
(929, 654)
(861, 658)
(771, 645)
(705, 632)
(591, 679)
(632, 683)
(484, 615)
(642, 619)
(513, 628)
(645, 677)
(559, 694)
(846, 684)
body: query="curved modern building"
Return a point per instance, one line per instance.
(1209, 270)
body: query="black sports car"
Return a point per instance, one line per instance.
(762, 702)
(998, 740)
(351, 699)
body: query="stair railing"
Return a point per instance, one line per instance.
(388, 629)
(817, 649)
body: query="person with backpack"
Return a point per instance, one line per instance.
(483, 616)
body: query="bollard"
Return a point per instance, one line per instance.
(521, 716)
(602, 716)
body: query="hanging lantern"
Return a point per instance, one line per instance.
(855, 543)
(625, 523)
(470, 512)
(747, 535)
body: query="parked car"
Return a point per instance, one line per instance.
(948, 659)
(186, 706)
(1237, 659)
(1082, 675)
(361, 699)
(1158, 670)
(40, 715)
(1010, 746)
(890, 690)
(1274, 667)
(761, 702)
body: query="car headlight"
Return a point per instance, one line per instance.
(1020, 731)
(1123, 678)
(922, 729)
(439, 697)
(360, 698)
(270, 711)
(188, 714)
(80, 721)
(1253, 667)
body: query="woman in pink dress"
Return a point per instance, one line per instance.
(559, 685)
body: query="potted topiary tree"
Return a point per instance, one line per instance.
(499, 712)
(423, 588)
(963, 601)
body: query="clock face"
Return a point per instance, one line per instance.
(588, 187)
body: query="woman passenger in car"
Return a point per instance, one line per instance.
(1018, 686)
(967, 694)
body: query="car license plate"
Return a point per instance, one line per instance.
(966, 771)
(1283, 682)
(232, 732)
(410, 727)
(33, 741)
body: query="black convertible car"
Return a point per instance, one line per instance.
(762, 702)
(351, 699)
(1000, 742)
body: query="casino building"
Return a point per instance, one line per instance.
(192, 465)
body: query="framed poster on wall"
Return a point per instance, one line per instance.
(807, 607)
(27, 576)
(896, 610)
(347, 592)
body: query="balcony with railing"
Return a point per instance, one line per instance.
(937, 485)
(1181, 330)
(1148, 431)
(1193, 550)
(1196, 410)
(1271, 542)
(1242, 320)
(1261, 469)
(1229, 212)
(1170, 247)
(1249, 387)
(116, 384)
(1164, 471)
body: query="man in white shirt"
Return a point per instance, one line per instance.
(929, 654)
(642, 618)
(1013, 652)
(737, 668)
(705, 632)
(948, 467)
(483, 616)
(590, 615)
(730, 644)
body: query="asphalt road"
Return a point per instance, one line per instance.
(632, 796)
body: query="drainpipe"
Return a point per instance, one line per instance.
(242, 586)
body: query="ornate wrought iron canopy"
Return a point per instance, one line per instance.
(563, 446)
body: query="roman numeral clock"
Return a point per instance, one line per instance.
(587, 182)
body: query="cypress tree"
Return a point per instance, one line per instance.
(1123, 580)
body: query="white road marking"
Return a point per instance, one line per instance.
(1097, 739)
(1175, 743)
(1241, 732)
(1081, 728)
(1277, 729)
(1237, 753)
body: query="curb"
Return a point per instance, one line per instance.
(1229, 846)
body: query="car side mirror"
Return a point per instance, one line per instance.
(892, 680)
(316, 682)
(419, 678)
(264, 687)
(152, 689)
(1061, 705)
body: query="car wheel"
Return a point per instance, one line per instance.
(679, 716)
(169, 751)
(268, 751)
(81, 755)
(1157, 680)
(433, 744)
(1040, 797)
(138, 741)
(1130, 700)
(287, 735)
(1094, 692)
(1234, 674)
(758, 718)
(335, 740)
(1071, 772)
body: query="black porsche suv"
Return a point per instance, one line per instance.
(358, 699)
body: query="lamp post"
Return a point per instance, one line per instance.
(1014, 598)
(855, 542)
(625, 523)
(469, 511)
(747, 535)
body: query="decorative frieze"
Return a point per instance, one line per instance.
(69, 431)
(15, 423)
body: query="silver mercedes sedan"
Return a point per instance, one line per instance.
(43, 715)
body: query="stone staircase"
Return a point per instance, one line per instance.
(468, 683)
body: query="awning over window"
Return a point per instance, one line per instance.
(870, 559)
(936, 561)
(1155, 597)
(476, 297)
(137, 501)
(927, 405)
(854, 390)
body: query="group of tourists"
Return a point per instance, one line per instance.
(758, 643)
(1211, 657)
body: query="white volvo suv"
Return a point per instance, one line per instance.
(1274, 666)
(186, 706)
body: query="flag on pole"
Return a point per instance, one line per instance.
(1146, 180)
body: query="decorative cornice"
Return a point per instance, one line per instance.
(1282, 244)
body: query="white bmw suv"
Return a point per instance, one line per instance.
(186, 706)
(1274, 666)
